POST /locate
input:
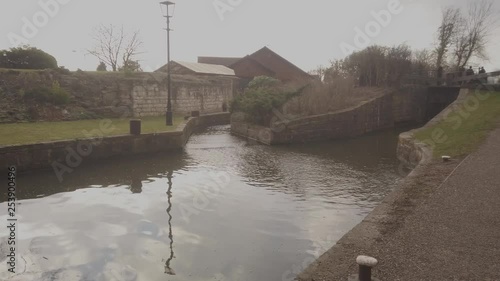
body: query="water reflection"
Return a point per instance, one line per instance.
(168, 269)
(113, 219)
(136, 185)
(134, 172)
(361, 167)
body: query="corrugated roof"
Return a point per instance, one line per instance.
(203, 68)
(226, 61)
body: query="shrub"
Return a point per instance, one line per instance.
(130, 66)
(263, 81)
(59, 95)
(63, 70)
(102, 67)
(26, 58)
(55, 95)
(261, 97)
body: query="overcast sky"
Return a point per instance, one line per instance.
(308, 33)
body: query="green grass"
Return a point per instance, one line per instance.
(465, 128)
(28, 133)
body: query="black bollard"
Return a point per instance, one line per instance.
(365, 267)
(365, 273)
(135, 127)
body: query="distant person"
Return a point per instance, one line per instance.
(470, 71)
(483, 80)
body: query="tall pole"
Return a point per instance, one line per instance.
(169, 114)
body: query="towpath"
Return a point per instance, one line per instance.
(437, 227)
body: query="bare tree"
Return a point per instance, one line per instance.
(448, 29)
(423, 62)
(318, 72)
(112, 44)
(473, 34)
(131, 49)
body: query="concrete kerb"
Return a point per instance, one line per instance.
(23, 156)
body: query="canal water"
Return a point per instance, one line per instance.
(223, 209)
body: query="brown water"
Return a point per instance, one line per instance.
(224, 209)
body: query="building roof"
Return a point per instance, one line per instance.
(262, 55)
(202, 68)
(226, 61)
(271, 62)
(249, 60)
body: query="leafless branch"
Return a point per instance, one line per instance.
(111, 44)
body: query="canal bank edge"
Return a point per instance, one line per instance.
(373, 115)
(339, 262)
(68, 154)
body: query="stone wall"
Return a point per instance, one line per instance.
(412, 152)
(439, 98)
(252, 132)
(419, 104)
(370, 116)
(111, 95)
(189, 93)
(412, 105)
(67, 155)
(409, 105)
(148, 100)
(207, 97)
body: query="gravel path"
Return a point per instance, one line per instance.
(434, 228)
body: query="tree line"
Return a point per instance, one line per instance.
(462, 36)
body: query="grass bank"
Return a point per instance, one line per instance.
(465, 128)
(29, 133)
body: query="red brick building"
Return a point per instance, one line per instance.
(264, 62)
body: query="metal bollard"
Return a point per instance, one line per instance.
(365, 267)
(135, 127)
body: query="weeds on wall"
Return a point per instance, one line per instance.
(322, 98)
(54, 95)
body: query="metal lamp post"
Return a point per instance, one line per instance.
(169, 86)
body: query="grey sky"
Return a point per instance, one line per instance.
(308, 33)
